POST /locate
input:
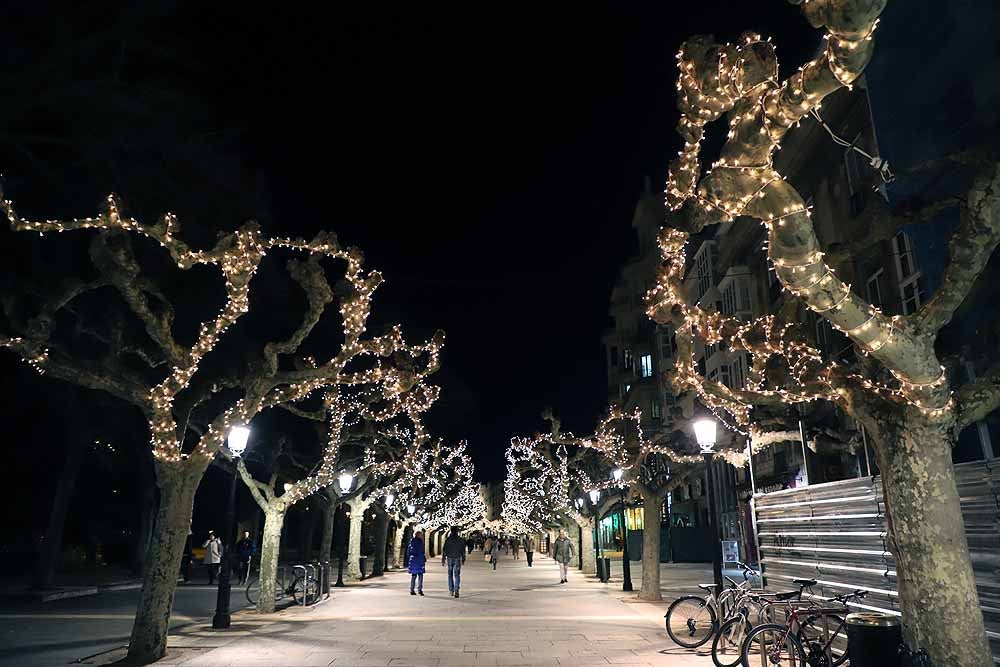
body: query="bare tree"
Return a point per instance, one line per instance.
(899, 389)
(74, 333)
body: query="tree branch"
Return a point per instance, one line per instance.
(977, 399)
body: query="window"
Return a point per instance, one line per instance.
(854, 172)
(667, 344)
(646, 366)
(823, 333)
(724, 375)
(906, 271)
(739, 372)
(874, 289)
(627, 359)
(703, 269)
(654, 409)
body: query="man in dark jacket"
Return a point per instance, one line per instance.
(245, 549)
(454, 556)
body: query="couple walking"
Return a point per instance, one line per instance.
(453, 556)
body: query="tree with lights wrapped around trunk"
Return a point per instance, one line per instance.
(899, 389)
(129, 348)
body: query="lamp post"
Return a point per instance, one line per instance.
(237, 443)
(345, 481)
(704, 433)
(626, 565)
(579, 538)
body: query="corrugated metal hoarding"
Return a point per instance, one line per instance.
(836, 533)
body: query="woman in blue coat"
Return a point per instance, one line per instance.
(416, 560)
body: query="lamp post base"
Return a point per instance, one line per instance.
(222, 618)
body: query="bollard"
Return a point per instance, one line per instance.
(873, 639)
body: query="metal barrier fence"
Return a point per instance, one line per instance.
(836, 533)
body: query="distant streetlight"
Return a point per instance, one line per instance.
(287, 486)
(411, 508)
(595, 495)
(617, 473)
(389, 500)
(345, 481)
(705, 434)
(579, 503)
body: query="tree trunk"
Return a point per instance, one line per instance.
(308, 533)
(381, 535)
(935, 575)
(354, 539)
(178, 483)
(397, 547)
(51, 544)
(587, 546)
(270, 552)
(651, 519)
(326, 540)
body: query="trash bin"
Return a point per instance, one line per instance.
(873, 639)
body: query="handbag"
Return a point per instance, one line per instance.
(487, 558)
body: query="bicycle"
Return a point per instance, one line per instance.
(692, 620)
(727, 645)
(299, 588)
(804, 638)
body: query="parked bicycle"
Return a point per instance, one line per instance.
(299, 587)
(692, 620)
(751, 610)
(814, 636)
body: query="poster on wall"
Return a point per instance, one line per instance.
(730, 551)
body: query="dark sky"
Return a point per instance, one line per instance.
(485, 157)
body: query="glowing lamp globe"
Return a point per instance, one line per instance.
(579, 503)
(617, 474)
(595, 495)
(345, 481)
(237, 441)
(411, 508)
(389, 500)
(704, 433)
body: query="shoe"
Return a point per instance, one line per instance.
(412, 593)
(456, 593)
(420, 592)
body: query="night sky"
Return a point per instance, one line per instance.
(487, 159)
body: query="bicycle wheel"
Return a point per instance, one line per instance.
(727, 647)
(823, 637)
(772, 645)
(253, 589)
(690, 621)
(298, 589)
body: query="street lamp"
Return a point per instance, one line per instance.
(705, 434)
(236, 442)
(579, 503)
(411, 508)
(626, 565)
(345, 481)
(390, 498)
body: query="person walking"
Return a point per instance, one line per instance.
(213, 556)
(529, 548)
(515, 546)
(453, 555)
(470, 544)
(245, 550)
(416, 560)
(494, 553)
(563, 553)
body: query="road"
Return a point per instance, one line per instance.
(56, 633)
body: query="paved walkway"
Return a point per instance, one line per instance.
(514, 616)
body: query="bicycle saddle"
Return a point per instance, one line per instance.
(805, 582)
(786, 596)
(707, 587)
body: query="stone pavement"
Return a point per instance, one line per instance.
(514, 616)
